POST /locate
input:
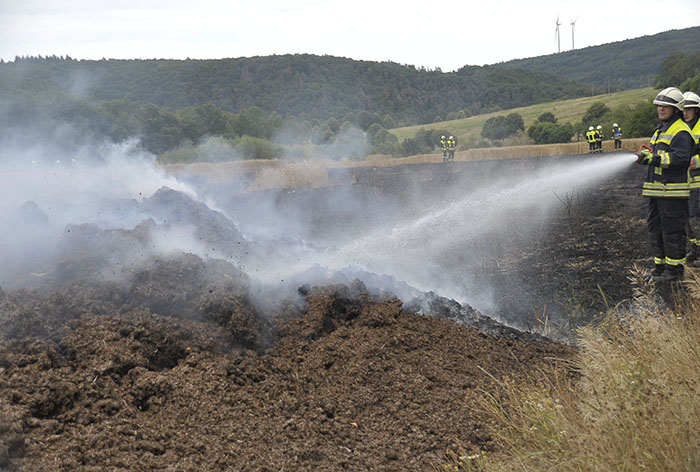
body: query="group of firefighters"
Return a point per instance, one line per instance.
(672, 184)
(448, 146)
(594, 136)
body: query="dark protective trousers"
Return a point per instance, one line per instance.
(666, 221)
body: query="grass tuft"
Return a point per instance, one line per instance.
(630, 401)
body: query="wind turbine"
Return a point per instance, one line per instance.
(573, 24)
(557, 37)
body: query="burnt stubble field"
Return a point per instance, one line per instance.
(123, 358)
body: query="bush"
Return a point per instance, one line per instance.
(546, 117)
(642, 121)
(594, 114)
(550, 133)
(500, 127)
(250, 147)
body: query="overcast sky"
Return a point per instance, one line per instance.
(446, 34)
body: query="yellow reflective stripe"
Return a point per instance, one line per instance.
(674, 262)
(661, 194)
(667, 186)
(665, 159)
(657, 189)
(692, 240)
(659, 261)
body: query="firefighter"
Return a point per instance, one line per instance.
(443, 146)
(599, 138)
(666, 185)
(691, 113)
(617, 136)
(590, 137)
(451, 147)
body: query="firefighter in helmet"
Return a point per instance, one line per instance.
(451, 147)
(691, 115)
(590, 137)
(599, 138)
(443, 146)
(666, 185)
(617, 136)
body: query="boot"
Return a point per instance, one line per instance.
(692, 255)
(669, 276)
(656, 273)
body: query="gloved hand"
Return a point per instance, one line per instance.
(644, 155)
(695, 162)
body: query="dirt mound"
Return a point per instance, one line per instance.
(352, 382)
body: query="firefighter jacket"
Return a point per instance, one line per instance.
(590, 136)
(451, 144)
(667, 174)
(694, 175)
(443, 145)
(598, 135)
(617, 133)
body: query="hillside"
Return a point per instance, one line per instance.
(468, 130)
(632, 63)
(304, 85)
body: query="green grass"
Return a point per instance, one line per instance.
(572, 111)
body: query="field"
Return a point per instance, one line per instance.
(351, 325)
(468, 130)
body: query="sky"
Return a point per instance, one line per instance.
(444, 34)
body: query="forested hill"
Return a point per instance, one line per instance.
(632, 63)
(305, 86)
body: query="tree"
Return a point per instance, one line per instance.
(642, 121)
(546, 117)
(676, 68)
(500, 127)
(545, 132)
(594, 113)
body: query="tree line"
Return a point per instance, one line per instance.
(629, 64)
(37, 103)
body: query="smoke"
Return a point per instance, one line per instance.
(421, 238)
(47, 189)
(439, 240)
(298, 144)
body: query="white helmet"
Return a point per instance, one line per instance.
(691, 100)
(442, 137)
(451, 137)
(590, 128)
(670, 96)
(614, 125)
(598, 127)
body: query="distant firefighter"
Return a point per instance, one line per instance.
(443, 146)
(617, 136)
(451, 147)
(599, 138)
(590, 137)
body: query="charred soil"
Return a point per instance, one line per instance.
(174, 368)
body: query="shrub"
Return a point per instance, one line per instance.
(550, 133)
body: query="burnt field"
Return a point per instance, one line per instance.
(343, 328)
